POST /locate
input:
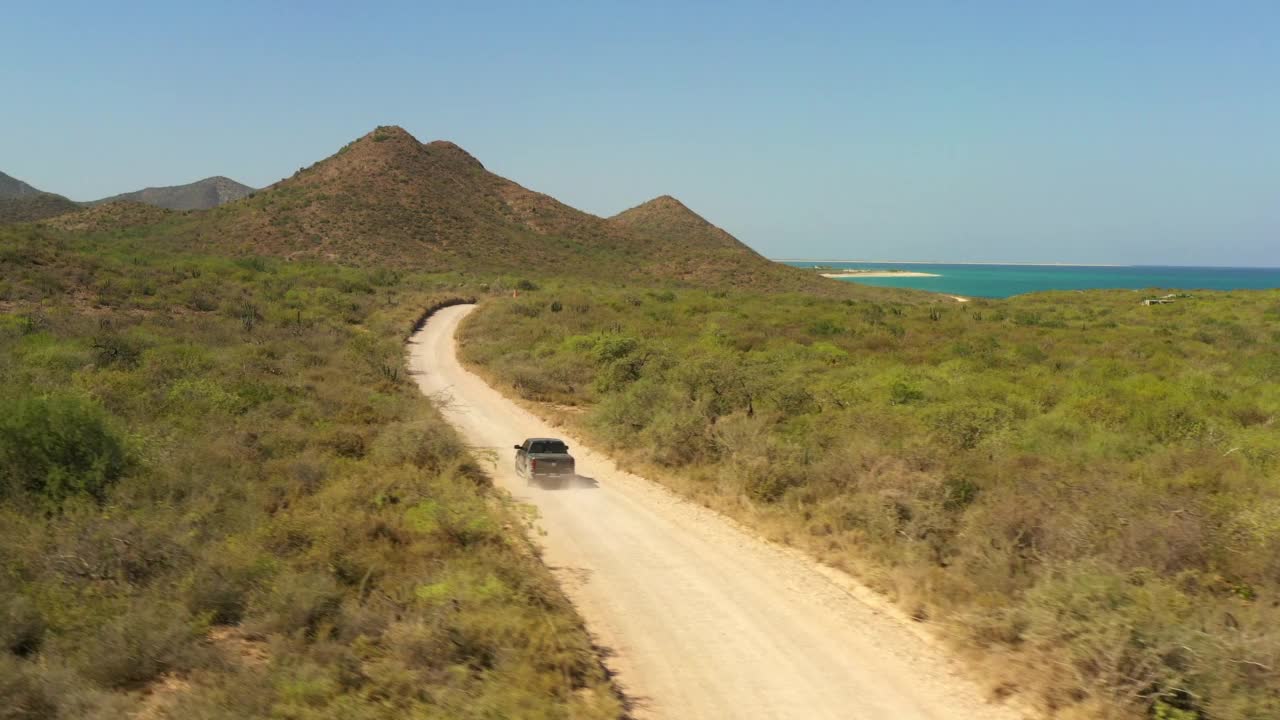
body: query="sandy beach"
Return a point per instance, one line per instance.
(877, 274)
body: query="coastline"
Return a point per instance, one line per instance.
(878, 274)
(932, 262)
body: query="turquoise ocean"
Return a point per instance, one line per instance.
(997, 281)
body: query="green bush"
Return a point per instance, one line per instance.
(22, 626)
(25, 695)
(139, 645)
(236, 443)
(1017, 467)
(309, 603)
(56, 447)
(220, 588)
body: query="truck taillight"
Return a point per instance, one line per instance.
(533, 465)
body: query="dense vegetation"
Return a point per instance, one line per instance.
(220, 497)
(1085, 487)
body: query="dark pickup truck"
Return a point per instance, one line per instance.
(539, 458)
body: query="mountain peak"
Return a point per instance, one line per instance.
(199, 195)
(388, 199)
(663, 208)
(392, 144)
(665, 222)
(383, 140)
(389, 132)
(446, 149)
(667, 201)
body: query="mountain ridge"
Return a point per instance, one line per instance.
(387, 199)
(202, 194)
(11, 187)
(21, 202)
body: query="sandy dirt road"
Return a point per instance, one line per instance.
(704, 620)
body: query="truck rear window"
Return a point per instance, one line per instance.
(548, 446)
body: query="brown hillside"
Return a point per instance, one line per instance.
(113, 215)
(388, 199)
(31, 208)
(200, 195)
(667, 217)
(684, 245)
(20, 202)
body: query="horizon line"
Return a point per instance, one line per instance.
(942, 262)
(1031, 264)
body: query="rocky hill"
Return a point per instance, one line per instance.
(686, 246)
(20, 202)
(12, 188)
(200, 195)
(387, 198)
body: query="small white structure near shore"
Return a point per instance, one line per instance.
(1164, 299)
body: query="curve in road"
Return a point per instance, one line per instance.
(704, 620)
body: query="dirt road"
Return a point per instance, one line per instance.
(704, 620)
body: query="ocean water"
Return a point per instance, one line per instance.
(997, 281)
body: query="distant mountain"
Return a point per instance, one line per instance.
(12, 188)
(20, 202)
(386, 198)
(200, 195)
(686, 246)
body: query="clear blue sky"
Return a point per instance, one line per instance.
(1144, 132)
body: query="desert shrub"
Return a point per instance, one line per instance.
(769, 481)
(202, 298)
(139, 645)
(22, 626)
(1129, 636)
(56, 447)
(528, 310)
(306, 603)
(111, 350)
(824, 328)
(26, 695)
(678, 439)
(461, 521)
(964, 426)
(221, 587)
(424, 444)
(233, 442)
(1016, 467)
(903, 393)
